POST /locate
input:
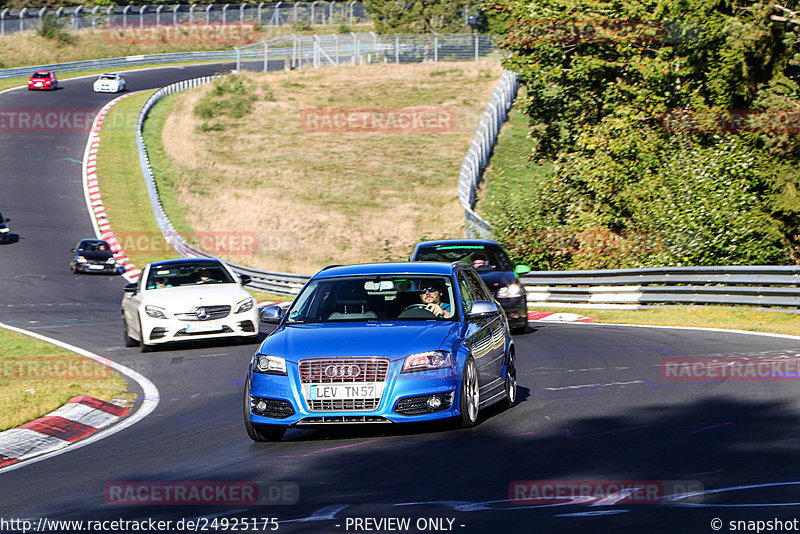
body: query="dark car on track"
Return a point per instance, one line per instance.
(5, 231)
(379, 343)
(493, 266)
(43, 80)
(93, 256)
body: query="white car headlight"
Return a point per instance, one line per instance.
(424, 361)
(110, 261)
(244, 305)
(272, 365)
(80, 259)
(155, 312)
(513, 290)
(4, 230)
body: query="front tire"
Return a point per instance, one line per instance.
(259, 432)
(129, 341)
(470, 395)
(511, 381)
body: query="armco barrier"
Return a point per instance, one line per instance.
(744, 285)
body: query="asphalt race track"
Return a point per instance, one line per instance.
(593, 405)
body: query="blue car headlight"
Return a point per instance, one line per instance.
(512, 290)
(271, 365)
(425, 361)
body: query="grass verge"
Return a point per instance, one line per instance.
(242, 159)
(122, 186)
(38, 377)
(726, 317)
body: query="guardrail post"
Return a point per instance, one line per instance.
(76, 20)
(238, 58)
(266, 57)
(22, 19)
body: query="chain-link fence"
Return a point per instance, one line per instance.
(362, 48)
(273, 14)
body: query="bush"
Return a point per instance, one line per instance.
(54, 29)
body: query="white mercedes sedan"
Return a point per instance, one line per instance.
(187, 299)
(109, 83)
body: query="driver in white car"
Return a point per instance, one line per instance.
(431, 296)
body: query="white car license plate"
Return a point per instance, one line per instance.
(202, 326)
(364, 390)
(96, 267)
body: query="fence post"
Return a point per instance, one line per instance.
(396, 50)
(336, 39)
(266, 57)
(313, 9)
(209, 7)
(435, 48)
(238, 58)
(94, 17)
(352, 6)
(158, 15)
(242, 7)
(356, 56)
(225, 14)
(477, 40)
(191, 14)
(125, 16)
(330, 13)
(22, 19)
(141, 16)
(76, 21)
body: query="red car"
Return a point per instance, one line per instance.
(44, 80)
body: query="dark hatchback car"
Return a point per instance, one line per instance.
(93, 256)
(493, 266)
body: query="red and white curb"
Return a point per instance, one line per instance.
(81, 422)
(79, 418)
(558, 317)
(94, 201)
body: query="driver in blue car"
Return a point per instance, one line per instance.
(431, 296)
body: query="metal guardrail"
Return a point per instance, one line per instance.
(745, 285)
(480, 150)
(127, 61)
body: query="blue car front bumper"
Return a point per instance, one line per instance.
(406, 398)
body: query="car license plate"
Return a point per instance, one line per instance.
(195, 328)
(37, 84)
(364, 390)
(96, 267)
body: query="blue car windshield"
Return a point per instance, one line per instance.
(376, 298)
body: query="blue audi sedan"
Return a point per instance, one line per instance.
(381, 343)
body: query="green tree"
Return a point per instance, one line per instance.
(620, 91)
(417, 16)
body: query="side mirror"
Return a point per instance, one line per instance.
(245, 278)
(130, 288)
(8, 220)
(73, 250)
(522, 269)
(483, 308)
(271, 314)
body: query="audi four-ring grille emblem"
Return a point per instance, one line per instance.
(202, 314)
(341, 370)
